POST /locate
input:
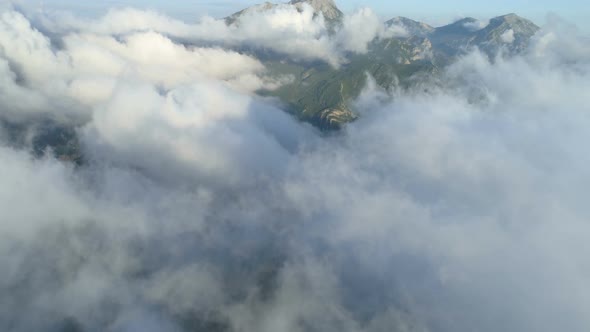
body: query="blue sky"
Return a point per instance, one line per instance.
(432, 11)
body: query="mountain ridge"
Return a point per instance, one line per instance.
(323, 95)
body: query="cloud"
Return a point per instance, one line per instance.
(82, 73)
(155, 58)
(395, 31)
(200, 205)
(294, 31)
(508, 36)
(200, 129)
(476, 25)
(359, 29)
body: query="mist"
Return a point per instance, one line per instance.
(455, 205)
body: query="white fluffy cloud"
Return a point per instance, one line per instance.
(508, 36)
(294, 31)
(203, 130)
(87, 67)
(362, 27)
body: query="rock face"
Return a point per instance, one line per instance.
(327, 7)
(510, 32)
(334, 118)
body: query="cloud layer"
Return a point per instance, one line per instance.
(456, 206)
(294, 31)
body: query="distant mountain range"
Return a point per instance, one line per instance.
(321, 94)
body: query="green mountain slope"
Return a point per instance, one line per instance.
(322, 95)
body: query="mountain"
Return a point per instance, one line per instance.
(322, 95)
(510, 32)
(327, 8)
(453, 38)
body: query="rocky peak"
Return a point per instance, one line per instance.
(510, 32)
(327, 7)
(514, 22)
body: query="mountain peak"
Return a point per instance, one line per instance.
(508, 17)
(327, 7)
(515, 22)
